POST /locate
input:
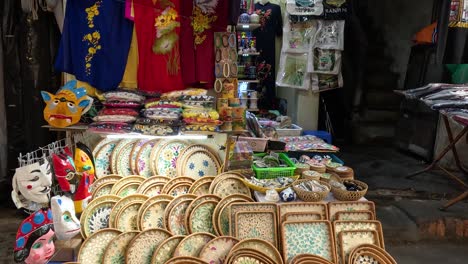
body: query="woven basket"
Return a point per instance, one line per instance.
(308, 196)
(343, 195)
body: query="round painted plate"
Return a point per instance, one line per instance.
(223, 202)
(223, 218)
(174, 202)
(161, 197)
(229, 186)
(166, 159)
(153, 179)
(201, 181)
(143, 158)
(154, 153)
(185, 260)
(124, 181)
(221, 177)
(153, 215)
(101, 143)
(216, 251)
(186, 153)
(200, 220)
(123, 160)
(96, 215)
(102, 180)
(174, 181)
(128, 189)
(116, 153)
(102, 160)
(179, 189)
(115, 251)
(128, 217)
(154, 189)
(92, 249)
(260, 245)
(199, 200)
(176, 219)
(166, 249)
(141, 248)
(104, 189)
(133, 155)
(200, 163)
(192, 244)
(123, 202)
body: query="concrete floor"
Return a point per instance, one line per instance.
(383, 169)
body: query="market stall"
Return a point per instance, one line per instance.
(152, 171)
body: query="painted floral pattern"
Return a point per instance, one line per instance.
(92, 251)
(92, 38)
(143, 160)
(216, 251)
(349, 240)
(203, 15)
(166, 250)
(143, 245)
(167, 160)
(116, 249)
(307, 238)
(98, 218)
(176, 219)
(154, 215)
(201, 219)
(192, 245)
(102, 161)
(261, 225)
(127, 220)
(349, 206)
(200, 164)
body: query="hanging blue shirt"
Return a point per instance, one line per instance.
(95, 42)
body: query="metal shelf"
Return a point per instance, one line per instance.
(247, 27)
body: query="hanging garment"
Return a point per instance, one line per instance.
(129, 79)
(187, 45)
(95, 42)
(157, 27)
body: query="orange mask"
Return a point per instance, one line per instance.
(66, 106)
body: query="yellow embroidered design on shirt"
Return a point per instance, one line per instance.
(203, 15)
(92, 39)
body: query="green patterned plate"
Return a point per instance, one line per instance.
(143, 158)
(106, 179)
(258, 224)
(166, 158)
(96, 215)
(192, 245)
(201, 218)
(103, 189)
(152, 180)
(153, 215)
(141, 249)
(176, 220)
(124, 181)
(102, 160)
(127, 217)
(115, 157)
(115, 251)
(260, 245)
(216, 251)
(93, 248)
(231, 185)
(311, 237)
(222, 203)
(123, 202)
(128, 189)
(123, 160)
(133, 155)
(166, 249)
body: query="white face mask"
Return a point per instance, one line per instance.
(66, 225)
(33, 182)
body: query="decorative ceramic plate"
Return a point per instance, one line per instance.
(355, 215)
(202, 189)
(103, 189)
(369, 258)
(123, 202)
(176, 220)
(143, 158)
(102, 180)
(311, 237)
(179, 189)
(221, 223)
(201, 218)
(96, 215)
(248, 207)
(140, 250)
(200, 182)
(153, 215)
(102, 160)
(309, 258)
(216, 251)
(92, 249)
(153, 155)
(166, 158)
(101, 143)
(175, 201)
(123, 160)
(221, 177)
(229, 186)
(134, 153)
(261, 225)
(197, 201)
(151, 180)
(334, 207)
(370, 249)
(340, 225)
(249, 259)
(154, 189)
(349, 240)
(128, 189)
(186, 152)
(126, 180)
(298, 216)
(262, 246)
(175, 181)
(320, 208)
(150, 200)
(166, 249)
(115, 154)
(223, 219)
(115, 251)
(200, 163)
(128, 217)
(192, 244)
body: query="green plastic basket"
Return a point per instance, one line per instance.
(271, 173)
